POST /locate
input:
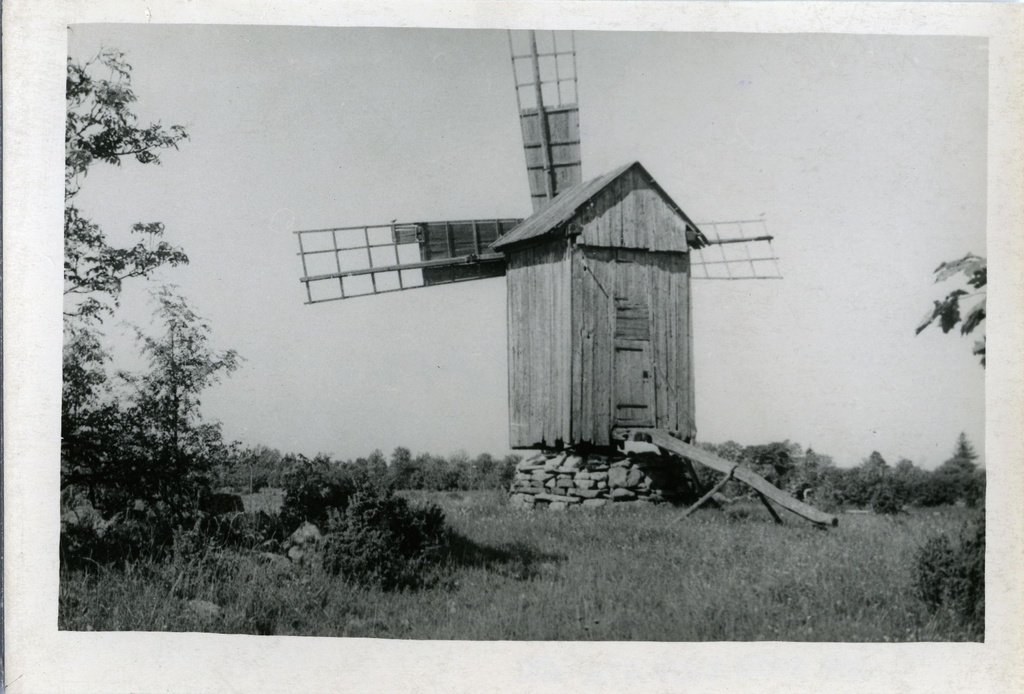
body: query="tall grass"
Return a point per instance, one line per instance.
(615, 574)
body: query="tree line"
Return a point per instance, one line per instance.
(874, 483)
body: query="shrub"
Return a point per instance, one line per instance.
(953, 577)
(243, 530)
(313, 488)
(379, 540)
(887, 498)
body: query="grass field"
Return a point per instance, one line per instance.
(614, 574)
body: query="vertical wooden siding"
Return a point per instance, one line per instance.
(540, 367)
(630, 213)
(595, 277)
(593, 287)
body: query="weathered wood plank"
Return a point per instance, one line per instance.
(768, 505)
(663, 439)
(704, 499)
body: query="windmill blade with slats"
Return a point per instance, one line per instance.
(346, 262)
(744, 252)
(544, 69)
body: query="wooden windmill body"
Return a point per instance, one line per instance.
(600, 335)
(599, 314)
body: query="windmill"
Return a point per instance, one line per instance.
(599, 327)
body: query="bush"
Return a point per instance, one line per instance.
(379, 540)
(242, 530)
(953, 577)
(887, 499)
(313, 488)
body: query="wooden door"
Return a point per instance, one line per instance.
(633, 402)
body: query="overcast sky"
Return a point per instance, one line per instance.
(866, 154)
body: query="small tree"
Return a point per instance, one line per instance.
(947, 311)
(170, 444)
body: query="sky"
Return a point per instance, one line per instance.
(866, 155)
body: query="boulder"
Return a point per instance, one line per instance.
(204, 609)
(585, 484)
(273, 559)
(585, 493)
(305, 535)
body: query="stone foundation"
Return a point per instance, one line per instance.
(563, 479)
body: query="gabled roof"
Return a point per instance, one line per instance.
(548, 220)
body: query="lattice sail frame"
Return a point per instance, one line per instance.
(743, 252)
(544, 70)
(346, 262)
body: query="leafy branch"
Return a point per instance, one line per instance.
(947, 311)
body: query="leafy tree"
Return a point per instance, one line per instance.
(947, 311)
(100, 126)
(165, 450)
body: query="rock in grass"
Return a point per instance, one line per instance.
(558, 506)
(622, 495)
(306, 534)
(275, 560)
(204, 609)
(594, 503)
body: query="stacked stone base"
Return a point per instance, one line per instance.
(559, 480)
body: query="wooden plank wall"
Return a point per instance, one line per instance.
(672, 341)
(539, 345)
(594, 278)
(630, 213)
(593, 287)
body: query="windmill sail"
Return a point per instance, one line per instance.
(736, 250)
(346, 262)
(544, 68)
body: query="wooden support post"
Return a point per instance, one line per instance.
(664, 440)
(698, 486)
(768, 505)
(714, 490)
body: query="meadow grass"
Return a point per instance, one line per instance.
(619, 573)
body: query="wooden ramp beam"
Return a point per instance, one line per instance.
(662, 439)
